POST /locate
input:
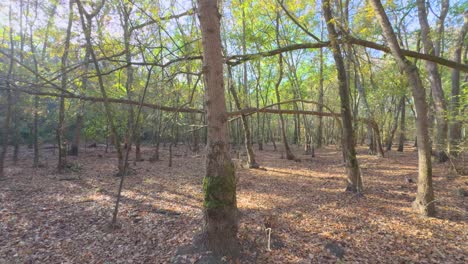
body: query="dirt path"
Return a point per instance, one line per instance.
(49, 218)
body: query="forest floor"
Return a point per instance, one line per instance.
(50, 218)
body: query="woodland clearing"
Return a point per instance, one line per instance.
(51, 218)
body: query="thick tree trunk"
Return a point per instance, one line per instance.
(455, 125)
(352, 166)
(424, 203)
(219, 184)
(401, 140)
(436, 85)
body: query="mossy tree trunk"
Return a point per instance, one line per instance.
(219, 184)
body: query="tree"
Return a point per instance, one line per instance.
(455, 125)
(6, 122)
(251, 162)
(436, 84)
(219, 184)
(401, 138)
(424, 203)
(62, 148)
(354, 176)
(287, 149)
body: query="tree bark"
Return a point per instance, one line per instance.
(352, 166)
(424, 203)
(219, 233)
(436, 84)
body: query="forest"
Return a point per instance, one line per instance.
(233, 131)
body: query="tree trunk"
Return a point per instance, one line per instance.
(455, 125)
(424, 203)
(247, 138)
(219, 233)
(6, 124)
(79, 118)
(36, 69)
(320, 101)
(391, 134)
(137, 138)
(16, 125)
(87, 26)
(170, 154)
(126, 9)
(401, 140)
(436, 85)
(260, 121)
(36, 132)
(156, 140)
(61, 142)
(373, 147)
(75, 146)
(7, 119)
(289, 154)
(354, 175)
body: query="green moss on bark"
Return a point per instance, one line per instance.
(220, 191)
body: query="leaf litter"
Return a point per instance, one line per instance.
(44, 219)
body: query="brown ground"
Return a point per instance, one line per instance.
(46, 219)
